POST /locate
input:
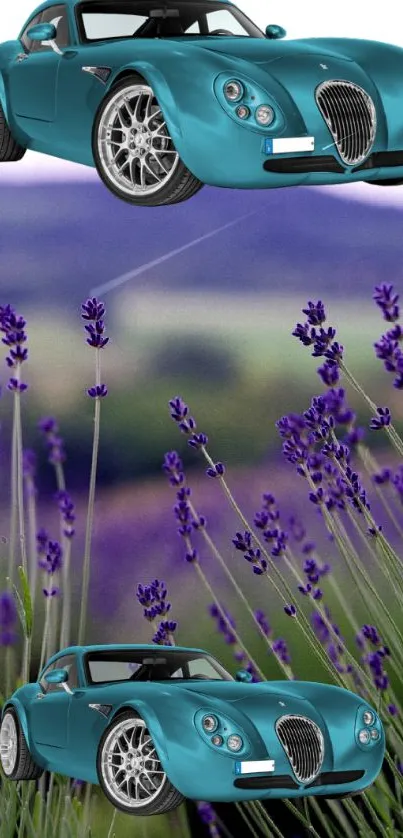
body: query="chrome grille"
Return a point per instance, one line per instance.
(303, 743)
(351, 117)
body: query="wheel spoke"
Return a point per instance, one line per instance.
(138, 156)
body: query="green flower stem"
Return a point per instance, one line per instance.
(321, 817)
(112, 824)
(14, 500)
(350, 555)
(302, 819)
(31, 539)
(371, 467)
(391, 432)
(240, 807)
(218, 556)
(264, 818)
(91, 505)
(203, 578)
(65, 626)
(300, 618)
(339, 815)
(45, 636)
(20, 474)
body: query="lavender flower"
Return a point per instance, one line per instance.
(243, 542)
(322, 340)
(164, 634)
(208, 816)
(290, 610)
(51, 562)
(187, 425)
(67, 512)
(387, 301)
(383, 420)
(13, 328)
(93, 311)
(8, 619)
(53, 440)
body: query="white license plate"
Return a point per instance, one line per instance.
(285, 145)
(265, 766)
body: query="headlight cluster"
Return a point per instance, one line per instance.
(368, 727)
(220, 732)
(247, 102)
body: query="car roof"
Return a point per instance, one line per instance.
(48, 3)
(120, 647)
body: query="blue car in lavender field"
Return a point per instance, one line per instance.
(166, 96)
(153, 725)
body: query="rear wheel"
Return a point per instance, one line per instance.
(15, 757)
(133, 151)
(129, 770)
(10, 150)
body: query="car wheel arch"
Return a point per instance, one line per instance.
(151, 76)
(21, 717)
(151, 720)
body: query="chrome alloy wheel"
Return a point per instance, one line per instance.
(134, 145)
(8, 744)
(130, 765)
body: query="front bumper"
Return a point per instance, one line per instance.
(331, 164)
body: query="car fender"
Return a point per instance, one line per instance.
(147, 713)
(155, 78)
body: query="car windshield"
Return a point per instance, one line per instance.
(99, 21)
(145, 665)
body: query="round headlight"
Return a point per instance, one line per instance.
(234, 742)
(374, 734)
(210, 723)
(217, 740)
(265, 115)
(368, 717)
(364, 737)
(243, 112)
(234, 90)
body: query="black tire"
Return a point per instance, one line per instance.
(10, 150)
(392, 182)
(182, 184)
(24, 767)
(167, 797)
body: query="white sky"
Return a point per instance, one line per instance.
(314, 18)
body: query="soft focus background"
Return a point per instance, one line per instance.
(201, 301)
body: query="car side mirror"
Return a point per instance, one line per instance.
(243, 676)
(42, 32)
(57, 676)
(46, 33)
(274, 32)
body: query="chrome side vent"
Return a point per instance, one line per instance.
(350, 115)
(304, 745)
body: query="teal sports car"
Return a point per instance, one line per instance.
(164, 96)
(153, 725)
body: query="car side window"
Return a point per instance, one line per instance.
(27, 43)
(67, 662)
(58, 16)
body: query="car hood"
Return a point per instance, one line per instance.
(236, 691)
(259, 51)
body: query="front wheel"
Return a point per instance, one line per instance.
(129, 770)
(133, 151)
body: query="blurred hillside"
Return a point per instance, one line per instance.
(58, 241)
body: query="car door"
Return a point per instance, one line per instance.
(49, 711)
(32, 80)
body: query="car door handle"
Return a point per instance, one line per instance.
(40, 695)
(22, 56)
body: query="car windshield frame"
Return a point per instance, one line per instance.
(178, 659)
(132, 6)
